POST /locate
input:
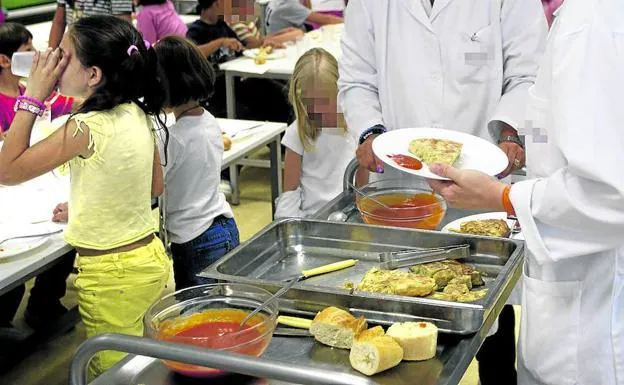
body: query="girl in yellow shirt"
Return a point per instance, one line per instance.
(115, 170)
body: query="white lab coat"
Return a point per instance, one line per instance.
(465, 65)
(572, 327)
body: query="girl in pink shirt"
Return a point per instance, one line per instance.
(157, 19)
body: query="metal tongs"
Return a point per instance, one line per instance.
(395, 259)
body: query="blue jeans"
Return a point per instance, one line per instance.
(194, 256)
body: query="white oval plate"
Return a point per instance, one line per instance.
(479, 217)
(276, 54)
(477, 154)
(19, 246)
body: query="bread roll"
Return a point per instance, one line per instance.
(419, 340)
(227, 142)
(370, 333)
(336, 327)
(372, 353)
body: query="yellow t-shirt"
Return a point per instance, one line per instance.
(110, 193)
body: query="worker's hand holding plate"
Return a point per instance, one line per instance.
(398, 148)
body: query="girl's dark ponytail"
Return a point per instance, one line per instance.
(129, 66)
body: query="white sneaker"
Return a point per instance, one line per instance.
(225, 187)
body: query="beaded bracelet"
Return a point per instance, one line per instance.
(28, 104)
(34, 101)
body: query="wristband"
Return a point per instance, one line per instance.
(36, 108)
(34, 101)
(375, 130)
(507, 201)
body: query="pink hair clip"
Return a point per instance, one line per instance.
(134, 48)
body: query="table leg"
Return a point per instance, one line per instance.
(276, 172)
(230, 95)
(235, 198)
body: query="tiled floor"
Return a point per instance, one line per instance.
(49, 365)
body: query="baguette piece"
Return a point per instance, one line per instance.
(419, 340)
(336, 327)
(373, 352)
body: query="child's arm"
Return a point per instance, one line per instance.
(285, 35)
(292, 170)
(20, 162)
(158, 184)
(58, 26)
(210, 48)
(323, 19)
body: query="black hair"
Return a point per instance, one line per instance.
(189, 74)
(151, 2)
(12, 36)
(203, 4)
(127, 75)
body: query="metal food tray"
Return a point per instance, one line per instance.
(285, 248)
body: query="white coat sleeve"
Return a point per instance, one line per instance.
(358, 94)
(579, 209)
(524, 31)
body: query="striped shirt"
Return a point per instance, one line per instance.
(94, 7)
(246, 31)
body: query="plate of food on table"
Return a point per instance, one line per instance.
(412, 149)
(261, 55)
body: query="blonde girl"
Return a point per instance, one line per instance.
(318, 146)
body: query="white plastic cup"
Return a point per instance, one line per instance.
(21, 63)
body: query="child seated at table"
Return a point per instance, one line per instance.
(282, 14)
(318, 145)
(115, 169)
(157, 19)
(257, 99)
(15, 37)
(198, 220)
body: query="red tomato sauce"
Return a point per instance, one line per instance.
(219, 335)
(215, 329)
(406, 161)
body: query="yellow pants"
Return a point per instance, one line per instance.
(114, 292)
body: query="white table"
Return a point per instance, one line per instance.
(264, 133)
(327, 37)
(32, 201)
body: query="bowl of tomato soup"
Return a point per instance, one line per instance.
(209, 316)
(401, 203)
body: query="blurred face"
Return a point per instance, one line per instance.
(321, 104)
(237, 11)
(77, 80)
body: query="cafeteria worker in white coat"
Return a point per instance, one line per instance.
(572, 213)
(464, 65)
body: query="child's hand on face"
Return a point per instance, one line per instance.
(233, 44)
(60, 213)
(48, 66)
